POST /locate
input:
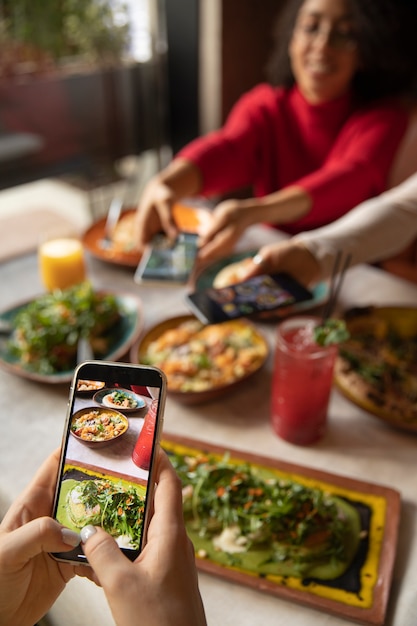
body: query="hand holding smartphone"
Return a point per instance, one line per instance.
(111, 438)
(258, 294)
(168, 261)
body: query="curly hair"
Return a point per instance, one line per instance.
(386, 34)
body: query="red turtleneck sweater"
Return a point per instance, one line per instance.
(340, 154)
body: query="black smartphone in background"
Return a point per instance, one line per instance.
(258, 294)
(166, 261)
(109, 448)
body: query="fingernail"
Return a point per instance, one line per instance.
(70, 537)
(258, 260)
(87, 532)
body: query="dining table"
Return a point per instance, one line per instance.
(356, 444)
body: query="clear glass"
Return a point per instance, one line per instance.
(301, 383)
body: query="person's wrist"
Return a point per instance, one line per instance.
(247, 212)
(263, 210)
(307, 260)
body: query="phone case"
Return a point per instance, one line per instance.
(110, 442)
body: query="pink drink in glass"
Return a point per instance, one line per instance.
(142, 452)
(301, 383)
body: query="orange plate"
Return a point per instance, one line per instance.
(187, 218)
(92, 242)
(190, 219)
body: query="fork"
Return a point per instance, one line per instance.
(113, 215)
(84, 350)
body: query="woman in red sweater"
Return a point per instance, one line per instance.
(312, 147)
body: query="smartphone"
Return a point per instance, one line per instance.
(110, 442)
(244, 299)
(168, 261)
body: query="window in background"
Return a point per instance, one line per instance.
(81, 86)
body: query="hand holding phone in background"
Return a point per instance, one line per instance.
(167, 261)
(258, 294)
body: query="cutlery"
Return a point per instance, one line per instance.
(5, 327)
(116, 207)
(113, 216)
(84, 350)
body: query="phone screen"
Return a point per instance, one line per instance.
(168, 261)
(250, 297)
(113, 426)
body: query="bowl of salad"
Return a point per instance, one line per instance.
(42, 343)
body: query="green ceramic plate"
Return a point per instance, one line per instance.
(122, 336)
(139, 403)
(205, 280)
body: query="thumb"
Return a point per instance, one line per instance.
(168, 224)
(39, 535)
(102, 551)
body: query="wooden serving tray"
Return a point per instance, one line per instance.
(373, 565)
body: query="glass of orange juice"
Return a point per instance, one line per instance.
(61, 261)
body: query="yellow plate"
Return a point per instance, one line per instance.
(403, 321)
(139, 350)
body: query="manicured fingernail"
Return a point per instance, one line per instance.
(258, 260)
(70, 537)
(87, 532)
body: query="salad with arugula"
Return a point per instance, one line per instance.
(239, 517)
(117, 508)
(47, 330)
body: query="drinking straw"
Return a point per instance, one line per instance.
(335, 285)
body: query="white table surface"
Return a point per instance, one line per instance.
(356, 445)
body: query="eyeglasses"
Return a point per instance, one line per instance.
(336, 38)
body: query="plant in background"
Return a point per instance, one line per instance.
(97, 30)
